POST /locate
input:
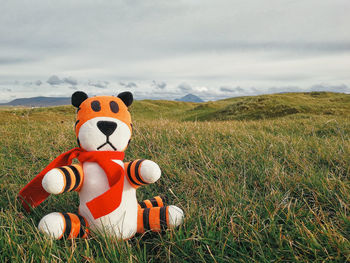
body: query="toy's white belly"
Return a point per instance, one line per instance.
(122, 222)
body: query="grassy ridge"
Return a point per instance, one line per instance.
(279, 105)
(248, 108)
(274, 189)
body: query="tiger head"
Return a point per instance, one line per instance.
(103, 122)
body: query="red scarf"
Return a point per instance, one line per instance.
(34, 194)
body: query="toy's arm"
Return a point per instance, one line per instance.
(141, 172)
(63, 179)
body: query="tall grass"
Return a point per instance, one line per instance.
(272, 190)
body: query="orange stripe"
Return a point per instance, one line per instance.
(132, 171)
(87, 232)
(154, 219)
(72, 178)
(148, 203)
(64, 227)
(140, 228)
(138, 206)
(139, 169)
(64, 180)
(159, 201)
(74, 232)
(126, 173)
(126, 165)
(167, 215)
(81, 173)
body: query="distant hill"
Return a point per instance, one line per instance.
(58, 101)
(238, 108)
(190, 98)
(39, 101)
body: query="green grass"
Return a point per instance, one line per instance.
(272, 106)
(267, 188)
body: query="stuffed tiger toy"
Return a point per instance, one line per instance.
(106, 185)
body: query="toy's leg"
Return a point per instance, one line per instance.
(158, 218)
(156, 201)
(68, 225)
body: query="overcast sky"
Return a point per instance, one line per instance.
(168, 48)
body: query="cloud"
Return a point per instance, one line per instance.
(98, 84)
(73, 87)
(184, 87)
(7, 89)
(200, 89)
(71, 81)
(14, 60)
(37, 82)
(282, 89)
(128, 85)
(260, 44)
(54, 80)
(334, 88)
(158, 85)
(231, 89)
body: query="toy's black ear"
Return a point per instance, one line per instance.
(78, 97)
(126, 97)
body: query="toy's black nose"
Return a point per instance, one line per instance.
(106, 127)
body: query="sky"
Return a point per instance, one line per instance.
(165, 49)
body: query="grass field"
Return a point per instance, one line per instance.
(260, 179)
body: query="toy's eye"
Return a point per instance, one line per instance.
(114, 106)
(95, 105)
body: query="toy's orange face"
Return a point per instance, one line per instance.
(103, 122)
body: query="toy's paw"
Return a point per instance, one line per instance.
(53, 182)
(52, 225)
(176, 216)
(150, 171)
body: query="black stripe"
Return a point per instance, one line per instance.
(68, 180)
(154, 202)
(75, 125)
(68, 224)
(146, 219)
(162, 215)
(143, 205)
(77, 176)
(82, 226)
(137, 171)
(129, 175)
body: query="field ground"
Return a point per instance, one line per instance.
(266, 179)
